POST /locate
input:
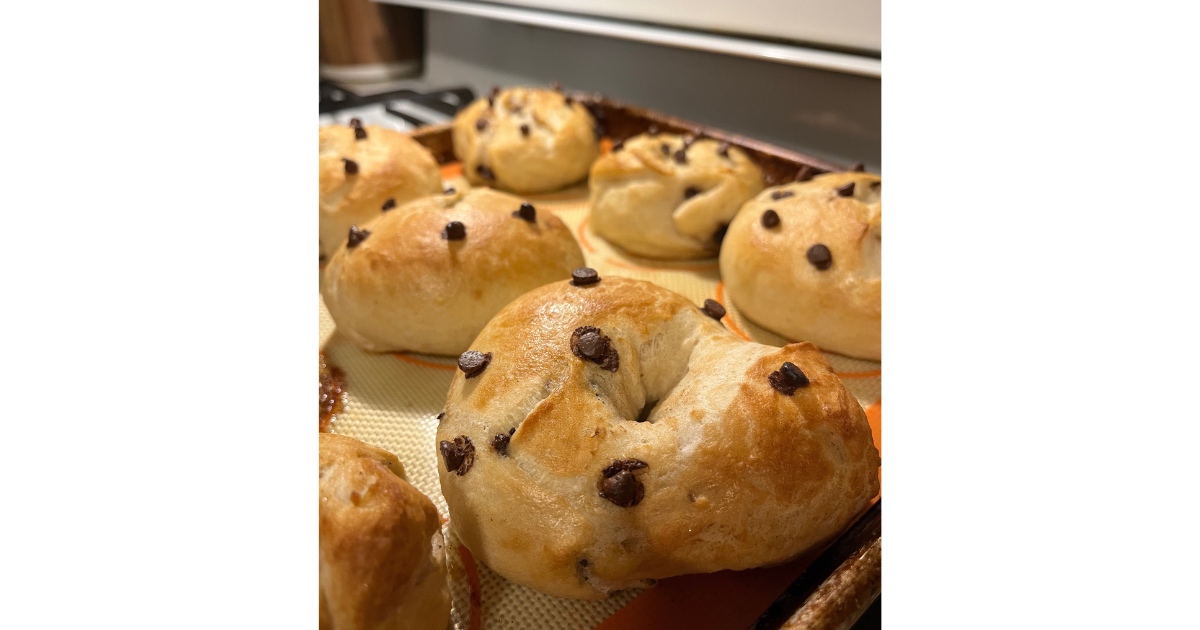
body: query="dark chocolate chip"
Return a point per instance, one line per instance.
(590, 344)
(845, 191)
(723, 149)
(500, 442)
(857, 167)
(351, 166)
(450, 190)
(441, 415)
(474, 362)
(527, 212)
(690, 192)
(567, 100)
(820, 256)
(481, 124)
(459, 454)
(666, 149)
(805, 173)
(388, 205)
(770, 219)
(619, 485)
(485, 172)
(719, 234)
(681, 156)
(713, 309)
(525, 130)
(360, 133)
(652, 130)
(455, 231)
(788, 378)
(356, 236)
(781, 194)
(618, 145)
(584, 276)
(355, 122)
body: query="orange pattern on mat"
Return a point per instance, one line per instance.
(728, 319)
(620, 263)
(473, 582)
(404, 356)
(451, 170)
(867, 374)
(583, 239)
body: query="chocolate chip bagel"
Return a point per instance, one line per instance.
(427, 276)
(383, 564)
(667, 196)
(525, 140)
(363, 171)
(803, 261)
(606, 432)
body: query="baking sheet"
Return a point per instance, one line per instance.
(393, 401)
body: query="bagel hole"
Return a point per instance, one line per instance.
(644, 414)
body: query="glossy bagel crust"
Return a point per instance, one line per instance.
(620, 435)
(383, 564)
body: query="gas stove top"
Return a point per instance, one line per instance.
(401, 110)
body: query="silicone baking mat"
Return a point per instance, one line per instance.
(393, 401)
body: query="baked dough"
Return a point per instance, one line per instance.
(412, 285)
(779, 277)
(383, 563)
(619, 434)
(666, 196)
(388, 167)
(525, 140)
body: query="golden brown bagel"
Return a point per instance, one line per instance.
(778, 277)
(408, 285)
(383, 564)
(665, 196)
(580, 461)
(387, 165)
(525, 141)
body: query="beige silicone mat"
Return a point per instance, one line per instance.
(393, 400)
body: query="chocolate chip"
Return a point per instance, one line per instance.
(455, 231)
(481, 124)
(441, 415)
(474, 362)
(681, 156)
(527, 212)
(618, 145)
(857, 167)
(388, 205)
(845, 191)
(459, 454)
(351, 166)
(690, 192)
(495, 91)
(567, 100)
(450, 190)
(485, 172)
(805, 173)
(719, 235)
(723, 149)
(713, 309)
(666, 149)
(788, 378)
(355, 122)
(584, 276)
(525, 130)
(500, 442)
(820, 256)
(619, 485)
(652, 130)
(360, 133)
(770, 219)
(590, 344)
(356, 236)
(781, 194)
